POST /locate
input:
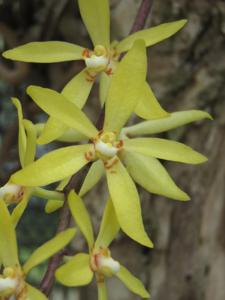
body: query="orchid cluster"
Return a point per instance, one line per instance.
(123, 155)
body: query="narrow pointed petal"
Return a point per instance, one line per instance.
(34, 294)
(53, 166)
(78, 89)
(131, 72)
(152, 176)
(94, 175)
(22, 140)
(174, 120)
(45, 52)
(109, 226)
(56, 105)
(81, 217)
(96, 17)
(102, 292)
(104, 84)
(52, 130)
(148, 106)
(126, 203)
(31, 142)
(152, 35)
(48, 249)
(8, 244)
(164, 149)
(132, 282)
(53, 205)
(75, 272)
(20, 208)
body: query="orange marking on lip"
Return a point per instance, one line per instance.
(109, 165)
(109, 71)
(86, 53)
(88, 155)
(119, 144)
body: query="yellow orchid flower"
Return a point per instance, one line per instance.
(13, 193)
(82, 267)
(111, 151)
(102, 60)
(69, 160)
(13, 276)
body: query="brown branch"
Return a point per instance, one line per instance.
(76, 182)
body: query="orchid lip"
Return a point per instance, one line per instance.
(106, 149)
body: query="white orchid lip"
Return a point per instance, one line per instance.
(96, 62)
(11, 193)
(103, 263)
(8, 283)
(106, 146)
(106, 149)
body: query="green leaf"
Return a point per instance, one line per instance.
(132, 283)
(131, 72)
(58, 106)
(34, 294)
(152, 35)
(148, 106)
(81, 217)
(76, 272)
(94, 175)
(22, 139)
(45, 52)
(53, 166)
(164, 149)
(109, 226)
(48, 249)
(126, 202)
(174, 120)
(152, 176)
(8, 244)
(96, 17)
(31, 142)
(78, 89)
(102, 292)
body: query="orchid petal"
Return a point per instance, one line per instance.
(109, 226)
(31, 142)
(78, 89)
(152, 35)
(76, 272)
(21, 206)
(53, 205)
(22, 139)
(174, 120)
(131, 72)
(152, 176)
(148, 106)
(132, 282)
(96, 17)
(34, 294)
(53, 166)
(104, 84)
(126, 202)
(48, 249)
(164, 149)
(58, 106)
(94, 175)
(45, 52)
(8, 243)
(81, 217)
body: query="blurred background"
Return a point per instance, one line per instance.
(186, 72)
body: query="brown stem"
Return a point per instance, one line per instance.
(76, 182)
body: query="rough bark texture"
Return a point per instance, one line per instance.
(186, 72)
